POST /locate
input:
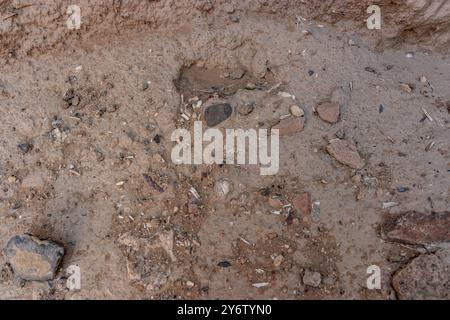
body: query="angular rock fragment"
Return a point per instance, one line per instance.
(425, 277)
(296, 111)
(34, 259)
(302, 204)
(217, 113)
(405, 88)
(224, 264)
(419, 228)
(328, 111)
(25, 147)
(245, 109)
(223, 187)
(149, 259)
(289, 126)
(278, 260)
(312, 278)
(345, 153)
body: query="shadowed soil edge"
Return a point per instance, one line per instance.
(85, 150)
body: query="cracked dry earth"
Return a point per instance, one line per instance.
(85, 161)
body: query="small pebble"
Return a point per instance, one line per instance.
(217, 113)
(289, 126)
(312, 278)
(345, 153)
(245, 109)
(250, 86)
(296, 111)
(25, 147)
(223, 187)
(352, 42)
(157, 138)
(12, 179)
(224, 264)
(234, 19)
(405, 88)
(329, 111)
(145, 85)
(357, 178)
(387, 205)
(32, 258)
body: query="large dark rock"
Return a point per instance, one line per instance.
(34, 259)
(217, 113)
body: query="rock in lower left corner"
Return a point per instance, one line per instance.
(32, 258)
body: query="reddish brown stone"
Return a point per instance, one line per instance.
(302, 204)
(419, 228)
(328, 111)
(290, 125)
(345, 153)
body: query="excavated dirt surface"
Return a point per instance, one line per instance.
(93, 171)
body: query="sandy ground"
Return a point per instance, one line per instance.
(81, 181)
